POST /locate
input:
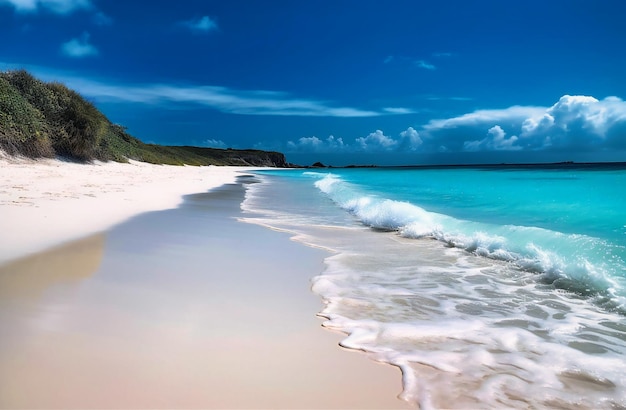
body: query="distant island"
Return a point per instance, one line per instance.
(46, 120)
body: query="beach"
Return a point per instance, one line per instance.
(136, 286)
(48, 202)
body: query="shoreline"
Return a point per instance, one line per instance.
(182, 308)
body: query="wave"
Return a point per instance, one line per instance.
(579, 263)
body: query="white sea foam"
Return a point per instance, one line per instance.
(462, 335)
(531, 248)
(467, 331)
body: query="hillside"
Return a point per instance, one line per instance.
(39, 119)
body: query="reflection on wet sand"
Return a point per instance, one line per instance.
(188, 309)
(26, 322)
(29, 277)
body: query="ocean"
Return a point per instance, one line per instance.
(489, 287)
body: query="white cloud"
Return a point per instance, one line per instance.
(213, 143)
(79, 47)
(398, 110)
(314, 144)
(306, 144)
(410, 140)
(222, 99)
(55, 6)
(203, 24)
(249, 102)
(495, 141)
(574, 123)
(425, 65)
(376, 141)
(577, 121)
(515, 113)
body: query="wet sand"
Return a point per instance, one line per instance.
(184, 308)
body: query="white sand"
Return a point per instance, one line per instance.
(44, 203)
(217, 321)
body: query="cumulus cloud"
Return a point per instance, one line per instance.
(201, 25)
(494, 141)
(314, 144)
(410, 140)
(79, 47)
(376, 141)
(578, 121)
(572, 123)
(55, 6)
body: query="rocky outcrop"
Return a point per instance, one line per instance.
(257, 158)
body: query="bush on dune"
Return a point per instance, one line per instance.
(79, 123)
(23, 129)
(76, 124)
(39, 119)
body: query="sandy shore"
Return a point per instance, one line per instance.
(47, 202)
(182, 308)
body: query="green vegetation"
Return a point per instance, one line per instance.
(23, 129)
(39, 119)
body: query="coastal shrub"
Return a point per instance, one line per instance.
(35, 91)
(117, 145)
(76, 125)
(41, 119)
(81, 124)
(23, 129)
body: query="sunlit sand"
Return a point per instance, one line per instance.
(184, 308)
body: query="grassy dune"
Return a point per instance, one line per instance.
(40, 119)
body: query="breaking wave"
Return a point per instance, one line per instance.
(575, 262)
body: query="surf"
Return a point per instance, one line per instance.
(575, 262)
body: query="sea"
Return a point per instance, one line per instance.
(488, 286)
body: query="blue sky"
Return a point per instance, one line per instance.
(393, 82)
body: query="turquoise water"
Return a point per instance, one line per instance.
(569, 224)
(489, 287)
